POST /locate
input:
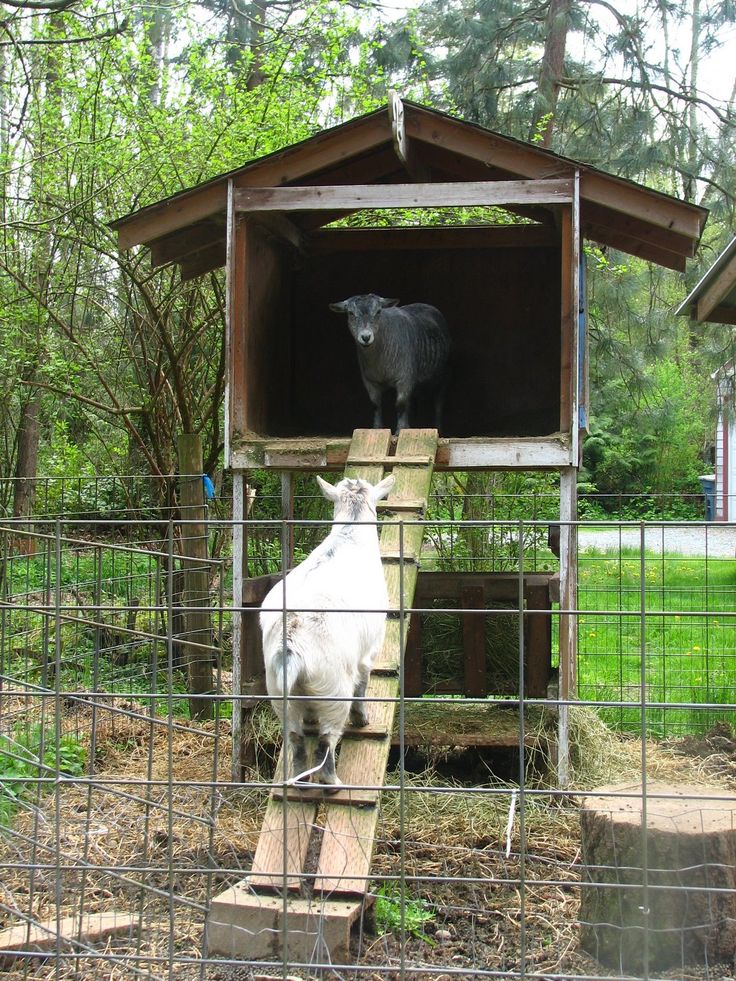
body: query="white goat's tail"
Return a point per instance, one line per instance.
(286, 664)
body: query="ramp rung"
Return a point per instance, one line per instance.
(364, 732)
(406, 505)
(352, 796)
(420, 460)
(398, 556)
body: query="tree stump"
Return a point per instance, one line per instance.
(688, 913)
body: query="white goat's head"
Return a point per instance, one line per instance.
(355, 499)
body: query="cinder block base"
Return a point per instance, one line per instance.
(244, 925)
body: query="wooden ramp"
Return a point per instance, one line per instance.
(308, 883)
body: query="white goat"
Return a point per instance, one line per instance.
(323, 625)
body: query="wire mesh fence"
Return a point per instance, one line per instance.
(128, 848)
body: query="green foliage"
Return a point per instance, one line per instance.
(33, 753)
(394, 908)
(488, 509)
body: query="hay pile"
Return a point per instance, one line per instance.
(159, 830)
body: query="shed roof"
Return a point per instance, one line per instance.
(714, 298)
(189, 227)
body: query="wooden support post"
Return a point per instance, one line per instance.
(197, 641)
(538, 631)
(568, 619)
(474, 641)
(413, 658)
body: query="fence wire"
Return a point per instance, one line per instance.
(132, 827)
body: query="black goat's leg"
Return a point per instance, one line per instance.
(325, 755)
(358, 713)
(298, 754)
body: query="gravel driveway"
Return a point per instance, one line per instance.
(716, 540)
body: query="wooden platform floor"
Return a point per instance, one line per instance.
(493, 724)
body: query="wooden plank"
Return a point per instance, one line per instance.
(603, 235)
(648, 205)
(294, 818)
(474, 641)
(250, 451)
(436, 195)
(281, 228)
(70, 931)
(331, 240)
(316, 792)
(170, 215)
(635, 230)
(250, 927)
(419, 239)
(370, 446)
(329, 151)
(388, 659)
(719, 315)
(348, 837)
(203, 262)
(186, 242)
(524, 160)
(292, 821)
(538, 632)
(567, 330)
(236, 315)
(575, 386)
(509, 454)
(716, 291)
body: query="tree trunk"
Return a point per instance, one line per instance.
(196, 591)
(551, 71)
(26, 469)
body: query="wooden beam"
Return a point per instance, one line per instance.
(186, 242)
(398, 130)
(358, 196)
(333, 148)
(717, 291)
(617, 223)
(531, 162)
(236, 319)
(718, 315)
(493, 150)
(170, 215)
(567, 332)
(606, 235)
(461, 237)
(203, 262)
(643, 203)
(281, 228)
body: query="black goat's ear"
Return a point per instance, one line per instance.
(385, 302)
(340, 307)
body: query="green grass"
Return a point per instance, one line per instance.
(27, 755)
(689, 634)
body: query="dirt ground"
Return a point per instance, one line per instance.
(157, 832)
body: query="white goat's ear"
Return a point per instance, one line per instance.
(381, 490)
(385, 302)
(328, 490)
(340, 307)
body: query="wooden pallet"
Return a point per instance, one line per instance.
(282, 898)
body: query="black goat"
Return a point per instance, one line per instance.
(399, 348)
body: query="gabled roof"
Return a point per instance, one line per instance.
(189, 227)
(714, 298)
